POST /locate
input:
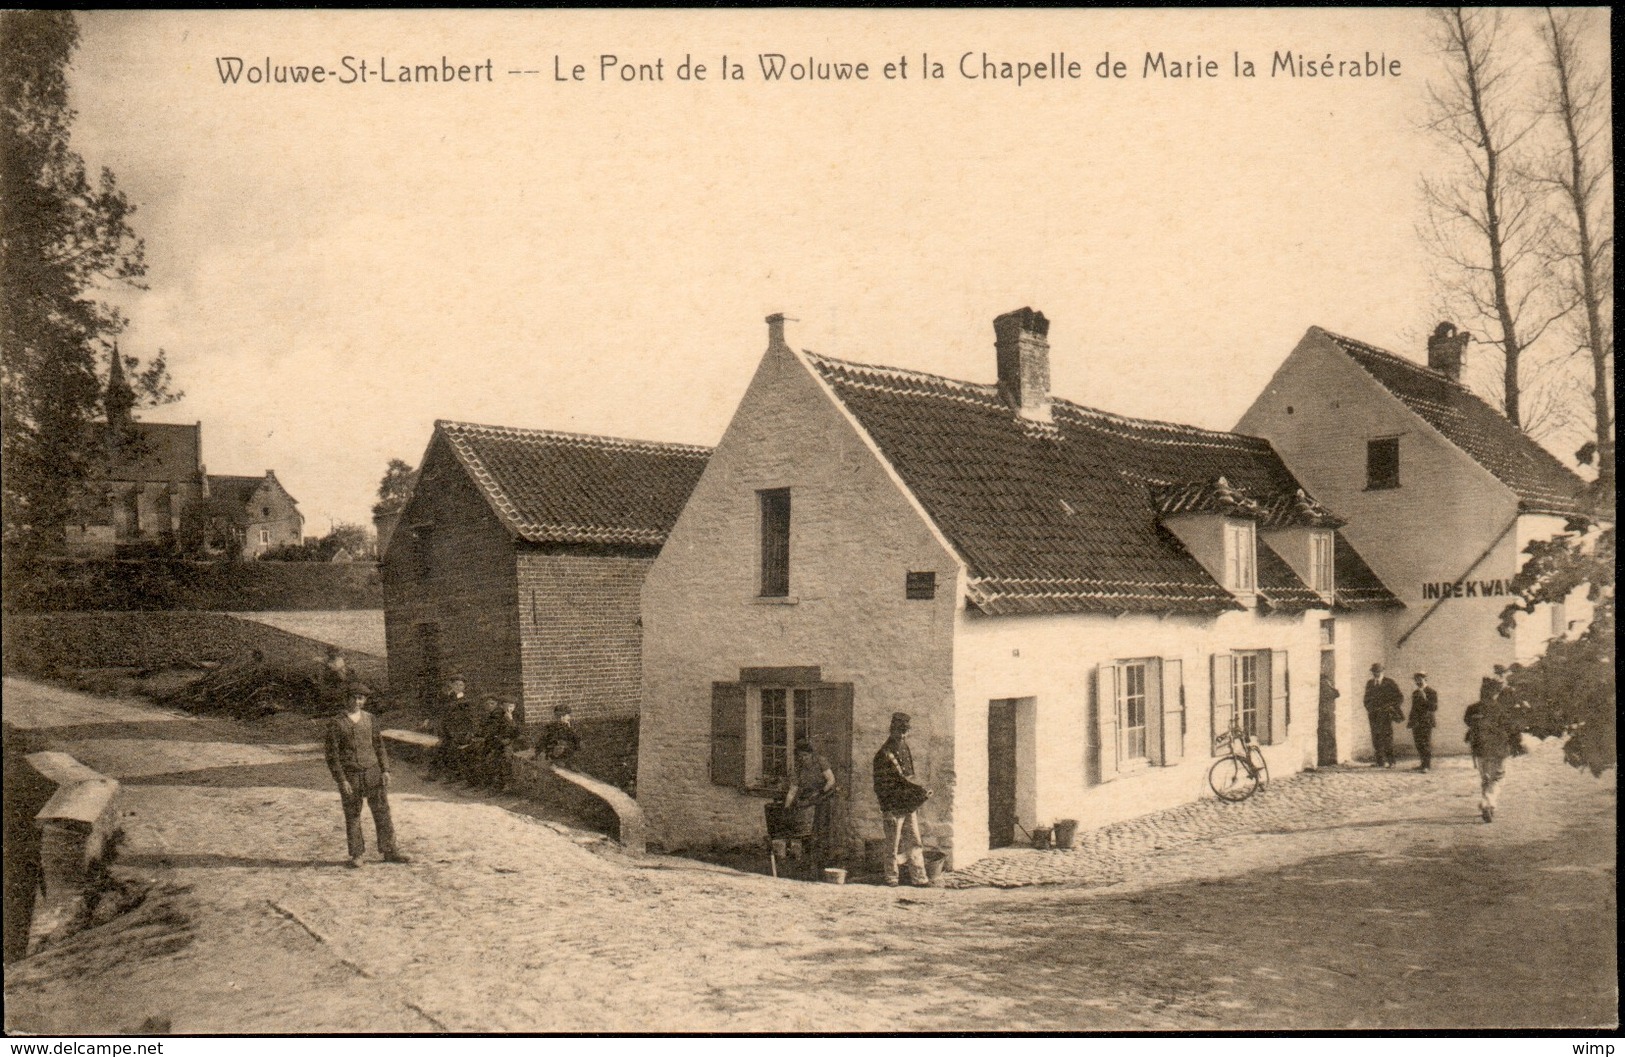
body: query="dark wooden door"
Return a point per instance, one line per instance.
(1001, 774)
(1327, 728)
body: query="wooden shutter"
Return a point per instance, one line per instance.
(1280, 697)
(1108, 681)
(1153, 711)
(728, 734)
(1223, 700)
(832, 738)
(1173, 711)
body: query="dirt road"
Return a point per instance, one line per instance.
(1399, 909)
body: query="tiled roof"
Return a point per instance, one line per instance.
(1542, 484)
(1356, 586)
(1281, 588)
(550, 487)
(237, 489)
(1055, 517)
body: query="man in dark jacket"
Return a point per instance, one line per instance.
(1491, 732)
(452, 725)
(1384, 706)
(501, 730)
(1424, 709)
(559, 742)
(360, 766)
(900, 799)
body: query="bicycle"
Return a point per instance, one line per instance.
(1240, 772)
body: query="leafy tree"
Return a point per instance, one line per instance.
(356, 539)
(1569, 689)
(395, 489)
(62, 240)
(214, 527)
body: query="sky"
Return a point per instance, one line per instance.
(333, 267)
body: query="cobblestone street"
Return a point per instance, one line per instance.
(1335, 900)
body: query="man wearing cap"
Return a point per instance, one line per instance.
(1424, 709)
(1384, 706)
(360, 766)
(1490, 732)
(559, 742)
(900, 799)
(453, 723)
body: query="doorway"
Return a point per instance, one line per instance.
(1001, 773)
(1326, 742)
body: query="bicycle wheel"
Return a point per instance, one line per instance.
(1231, 779)
(1255, 756)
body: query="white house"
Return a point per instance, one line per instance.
(1441, 494)
(1067, 602)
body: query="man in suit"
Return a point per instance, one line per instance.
(900, 799)
(360, 766)
(1384, 706)
(452, 725)
(1424, 709)
(1491, 732)
(501, 730)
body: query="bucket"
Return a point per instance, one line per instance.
(1066, 831)
(1041, 836)
(934, 862)
(835, 875)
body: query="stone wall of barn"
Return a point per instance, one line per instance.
(450, 589)
(581, 633)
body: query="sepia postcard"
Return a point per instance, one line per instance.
(807, 522)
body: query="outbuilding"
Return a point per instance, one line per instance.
(518, 562)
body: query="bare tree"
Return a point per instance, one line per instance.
(1485, 218)
(1582, 253)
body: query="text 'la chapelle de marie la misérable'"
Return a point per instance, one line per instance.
(777, 67)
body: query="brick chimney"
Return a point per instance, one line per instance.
(1021, 339)
(775, 331)
(1447, 350)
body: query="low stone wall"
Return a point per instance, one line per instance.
(595, 802)
(78, 828)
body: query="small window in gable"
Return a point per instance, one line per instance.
(1382, 463)
(775, 512)
(1240, 556)
(1320, 562)
(921, 585)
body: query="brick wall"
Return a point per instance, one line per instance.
(581, 634)
(451, 566)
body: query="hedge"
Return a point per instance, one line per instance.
(105, 584)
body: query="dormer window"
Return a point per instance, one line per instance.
(1320, 563)
(1240, 556)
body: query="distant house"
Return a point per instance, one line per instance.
(157, 484)
(1068, 602)
(519, 561)
(1441, 494)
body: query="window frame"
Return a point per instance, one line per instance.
(1322, 562)
(1239, 682)
(1389, 447)
(1240, 555)
(1133, 671)
(774, 512)
(794, 705)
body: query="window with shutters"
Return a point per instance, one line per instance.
(775, 558)
(1251, 687)
(756, 722)
(1140, 715)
